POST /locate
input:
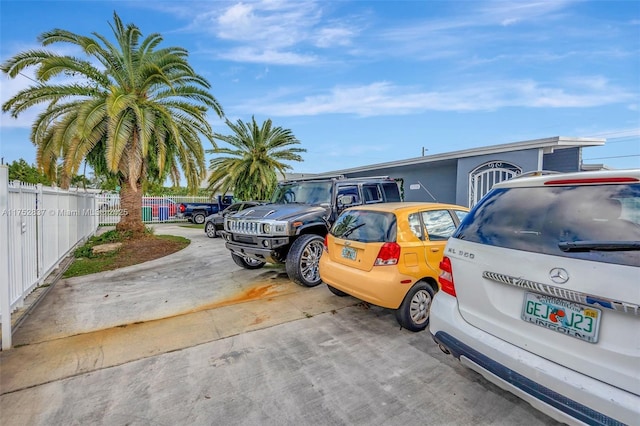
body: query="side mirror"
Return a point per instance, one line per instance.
(345, 200)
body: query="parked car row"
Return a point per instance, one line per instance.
(537, 288)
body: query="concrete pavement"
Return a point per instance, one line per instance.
(193, 339)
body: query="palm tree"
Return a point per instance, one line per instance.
(249, 167)
(138, 116)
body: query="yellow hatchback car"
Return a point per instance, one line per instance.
(389, 255)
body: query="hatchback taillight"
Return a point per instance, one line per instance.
(446, 277)
(388, 255)
(326, 243)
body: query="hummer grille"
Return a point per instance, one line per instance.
(244, 227)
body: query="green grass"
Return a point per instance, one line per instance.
(86, 266)
(175, 238)
(113, 236)
(193, 225)
(86, 262)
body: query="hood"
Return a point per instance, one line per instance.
(216, 217)
(280, 211)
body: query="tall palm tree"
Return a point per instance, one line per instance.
(136, 116)
(249, 167)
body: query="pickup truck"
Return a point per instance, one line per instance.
(197, 212)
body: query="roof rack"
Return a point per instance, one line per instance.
(339, 177)
(367, 177)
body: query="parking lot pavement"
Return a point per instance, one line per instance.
(352, 367)
(251, 348)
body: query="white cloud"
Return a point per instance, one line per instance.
(510, 12)
(383, 98)
(264, 24)
(251, 55)
(329, 37)
(272, 32)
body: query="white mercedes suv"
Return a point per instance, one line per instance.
(540, 293)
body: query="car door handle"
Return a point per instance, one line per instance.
(435, 250)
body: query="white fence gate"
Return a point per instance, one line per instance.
(157, 209)
(39, 226)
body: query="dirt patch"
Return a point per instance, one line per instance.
(149, 247)
(131, 252)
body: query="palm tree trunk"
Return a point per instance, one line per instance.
(131, 204)
(64, 180)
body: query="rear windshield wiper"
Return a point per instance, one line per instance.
(574, 246)
(348, 232)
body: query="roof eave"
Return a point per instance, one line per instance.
(556, 142)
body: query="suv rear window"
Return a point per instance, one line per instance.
(365, 226)
(391, 192)
(545, 219)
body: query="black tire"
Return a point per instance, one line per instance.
(413, 313)
(337, 292)
(246, 262)
(303, 260)
(210, 230)
(199, 217)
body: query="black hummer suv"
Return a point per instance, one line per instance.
(291, 229)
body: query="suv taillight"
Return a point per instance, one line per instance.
(388, 255)
(446, 277)
(182, 208)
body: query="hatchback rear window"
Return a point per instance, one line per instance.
(595, 222)
(365, 226)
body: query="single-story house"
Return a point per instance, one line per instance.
(463, 177)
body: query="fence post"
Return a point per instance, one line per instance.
(5, 303)
(40, 230)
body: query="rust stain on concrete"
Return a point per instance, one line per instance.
(256, 292)
(259, 320)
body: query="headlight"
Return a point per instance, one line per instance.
(274, 228)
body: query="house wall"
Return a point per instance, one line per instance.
(429, 180)
(563, 160)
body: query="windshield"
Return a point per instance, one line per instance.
(591, 222)
(303, 192)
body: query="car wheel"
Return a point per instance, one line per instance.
(198, 218)
(303, 260)
(210, 230)
(246, 262)
(413, 313)
(336, 291)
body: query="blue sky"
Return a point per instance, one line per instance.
(364, 82)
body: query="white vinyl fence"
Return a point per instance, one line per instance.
(154, 209)
(39, 226)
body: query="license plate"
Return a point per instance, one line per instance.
(349, 253)
(563, 316)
